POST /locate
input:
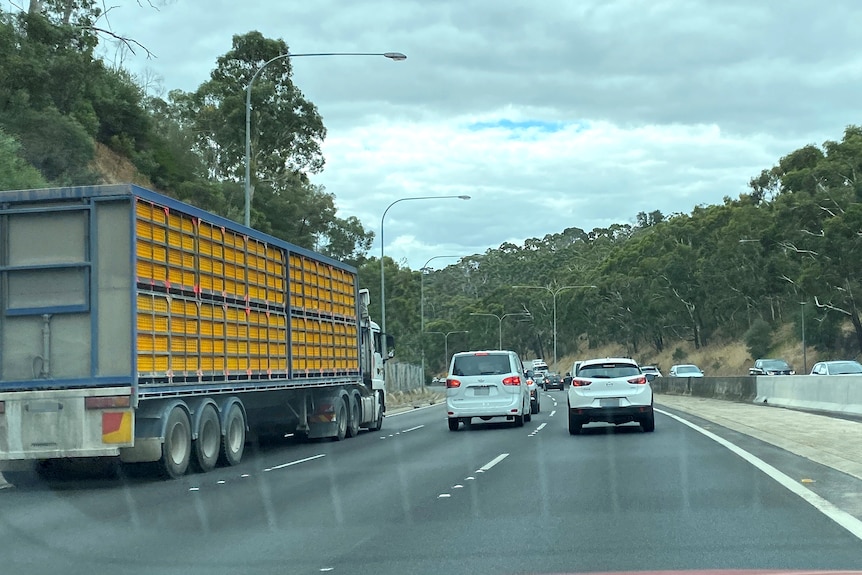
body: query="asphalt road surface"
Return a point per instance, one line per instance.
(416, 498)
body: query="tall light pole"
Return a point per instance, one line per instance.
(555, 292)
(397, 56)
(446, 343)
(422, 303)
(804, 355)
(500, 319)
(382, 274)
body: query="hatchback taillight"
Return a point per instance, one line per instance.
(638, 380)
(581, 382)
(450, 383)
(512, 380)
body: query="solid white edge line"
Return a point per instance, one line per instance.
(824, 506)
(494, 462)
(283, 465)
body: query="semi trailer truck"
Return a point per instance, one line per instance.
(138, 327)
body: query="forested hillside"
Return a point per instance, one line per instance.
(736, 271)
(59, 102)
(741, 270)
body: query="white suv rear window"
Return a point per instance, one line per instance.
(608, 370)
(490, 364)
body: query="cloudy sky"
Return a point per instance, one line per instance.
(549, 113)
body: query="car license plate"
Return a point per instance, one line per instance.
(610, 402)
(482, 391)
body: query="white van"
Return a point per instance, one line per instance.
(487, 385)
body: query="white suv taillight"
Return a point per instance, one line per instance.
(641, 379)
(450, 383)
(512, 380)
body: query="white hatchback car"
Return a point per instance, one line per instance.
(486, 384)
(611, 390)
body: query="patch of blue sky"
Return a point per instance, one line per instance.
(523, 128)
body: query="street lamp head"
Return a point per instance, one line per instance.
(397, 56)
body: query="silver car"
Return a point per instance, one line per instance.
(837, 368)
(487, 385)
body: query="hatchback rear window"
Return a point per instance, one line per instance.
(492, 364)
(608, 370)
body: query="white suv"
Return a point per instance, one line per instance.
(611, 390)
(486, 384)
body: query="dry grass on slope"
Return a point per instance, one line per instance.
(116, 169)
(719, 358)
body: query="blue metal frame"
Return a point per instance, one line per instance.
(71, 383)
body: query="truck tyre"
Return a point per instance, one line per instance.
(378, 423)
(206, 446)
(233, 439)
(177, 447)
(353, 422)
(341, 421)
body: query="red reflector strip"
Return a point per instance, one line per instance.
(107, 402)
(450, 383)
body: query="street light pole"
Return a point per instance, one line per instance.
(555, 292)
(382, 274)
(396, 56)
(446, 343)
(500, 319)
(804, 355)
(422, 303)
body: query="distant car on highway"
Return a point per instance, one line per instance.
(685, 370)
(771, 367)
(650, 371)
(487, 385)
(837, 368)
(611, 390)
(553, 381)
(533, 387)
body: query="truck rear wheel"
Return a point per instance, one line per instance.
(206, 446)
(353, 424)
(341, 421)
(233, 440)
(177, 447)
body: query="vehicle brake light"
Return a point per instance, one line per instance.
(481, 353)
(107, 402)
(638, 380)
(581, 382)
(512, 380)
(450, 383)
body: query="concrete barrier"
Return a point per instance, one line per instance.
(836, 393)
(729, 388)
